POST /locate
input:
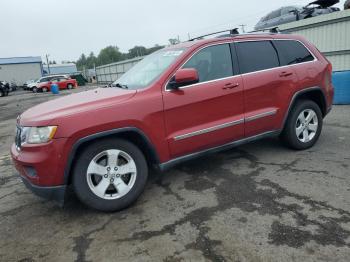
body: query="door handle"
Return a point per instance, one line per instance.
(285, 74)
(230, 86)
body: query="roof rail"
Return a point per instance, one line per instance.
(231, 32)
(272, 30)
(235, 32)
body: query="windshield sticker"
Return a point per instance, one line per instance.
(173, 53)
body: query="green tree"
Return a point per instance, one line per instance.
(137, 51)
(109, 54)
(81, 62)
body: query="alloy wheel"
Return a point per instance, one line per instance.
(306, 125)
(111, 174)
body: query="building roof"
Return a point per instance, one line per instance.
(61, 65)
(20, 60)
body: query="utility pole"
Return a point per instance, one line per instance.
(48, 65)
(243, 28)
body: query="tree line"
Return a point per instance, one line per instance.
(112, 54)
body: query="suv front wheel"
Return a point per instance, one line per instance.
(303, 126)
(110, 174)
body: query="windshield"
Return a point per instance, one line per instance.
(149, 69)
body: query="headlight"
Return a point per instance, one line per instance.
(37, 135)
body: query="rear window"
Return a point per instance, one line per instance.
(292, 52)
(256, 56)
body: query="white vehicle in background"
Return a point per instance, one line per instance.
(35, 83)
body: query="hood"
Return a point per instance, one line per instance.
(45, 113)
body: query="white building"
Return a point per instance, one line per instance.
(56, 69)
(20, 69)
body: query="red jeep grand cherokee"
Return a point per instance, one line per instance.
(179, 103)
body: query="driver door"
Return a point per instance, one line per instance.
(209, 113)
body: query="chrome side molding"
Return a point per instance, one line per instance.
(225, 125)
(208, 130)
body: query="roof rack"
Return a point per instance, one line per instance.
(235, 32)
(231, 32)
(272, 30)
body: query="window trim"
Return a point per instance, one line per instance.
(264, 70)
(236, 74)
(280, 55)
(196, 52)
(274, 48)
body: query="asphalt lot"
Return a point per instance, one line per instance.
(258, 202)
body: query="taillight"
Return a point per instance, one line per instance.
(330, 68)
(328, 83)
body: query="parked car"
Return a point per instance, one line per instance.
(62, 82)
(347, 5)
(4, 89)
(13, 86)
(44, 79)
(25, 85)
(178, 103)
(289, 14)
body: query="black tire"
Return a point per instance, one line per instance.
(35, 90)
(69, 86)
(2, 93)
(289, 134)
(44, 89)
(80, 181)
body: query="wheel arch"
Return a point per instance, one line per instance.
(131, 134)
(315, 94)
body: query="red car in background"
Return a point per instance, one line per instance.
(62, 82)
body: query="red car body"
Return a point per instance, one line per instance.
(231, 111)
(63, 83)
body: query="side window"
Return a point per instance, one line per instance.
(212, 63)
(292, 52)
(256, 55)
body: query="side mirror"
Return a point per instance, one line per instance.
(184, 77)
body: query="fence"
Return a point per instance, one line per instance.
(109, 73)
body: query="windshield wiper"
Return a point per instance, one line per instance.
(120, 86)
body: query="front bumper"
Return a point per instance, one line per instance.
(56, 193)
(41, 168)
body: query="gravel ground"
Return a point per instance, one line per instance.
(258, 202)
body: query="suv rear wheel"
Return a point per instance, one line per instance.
(110, 175)
(303, 126)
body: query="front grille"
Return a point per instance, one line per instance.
(18, 137)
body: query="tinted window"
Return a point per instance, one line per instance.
(212, 63)
(292, 52)
(256, 56)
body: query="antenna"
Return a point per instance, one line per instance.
(243, 27)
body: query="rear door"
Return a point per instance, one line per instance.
(266, 86)
(62, 83)
(209, 113)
